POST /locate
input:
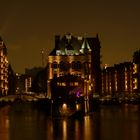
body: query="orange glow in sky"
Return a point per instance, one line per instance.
(29, 26)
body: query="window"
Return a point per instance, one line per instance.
(76, 65)
(54, 65)
(86, 67)
(64, 66)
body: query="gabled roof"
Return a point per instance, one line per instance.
(53, 52)
(78, 45)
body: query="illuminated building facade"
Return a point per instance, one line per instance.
(118, 80)
(79, 57)
(3, 69)
(136, 72)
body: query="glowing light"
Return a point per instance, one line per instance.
(80, 37)
(17, 74)
(64, 106)
(76, 83)
(77, 107)
(106, 65)
(78, 94)
(135, 68)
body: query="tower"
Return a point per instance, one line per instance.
(76, 56)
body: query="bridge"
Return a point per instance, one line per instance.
(22, 97)
(53, 107)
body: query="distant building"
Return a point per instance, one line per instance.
(29, 76)
(79, 57)
(136, 73)
(21, 83)
(118, 80)
(3, 69)
(108, 81)
(11, 81)
(33, 71)
(32, 76)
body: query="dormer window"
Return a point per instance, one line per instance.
(68, 36)
(58, 52)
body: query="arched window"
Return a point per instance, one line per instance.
(64, 66)
(76, 65)
(73, 64)
(54, 65)
(86, 68)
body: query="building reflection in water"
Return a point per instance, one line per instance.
(64, 127)
(87, 126)
(121, 123)
(4, 123)
(77, 128)
(23, 122)
(26, 123)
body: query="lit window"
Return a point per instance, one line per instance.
(135, 68)
(135, 81)
(126, 87)
(89, 87)
(76, 83)
(63, 84)
(135, 87)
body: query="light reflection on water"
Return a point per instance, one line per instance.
(23, 122)
(4, 123)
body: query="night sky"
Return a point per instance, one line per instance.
(28, 26)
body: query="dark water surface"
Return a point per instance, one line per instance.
(23, 122)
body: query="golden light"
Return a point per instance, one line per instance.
(77, 107)
(135, 68)
(64, 129)
(64, 107)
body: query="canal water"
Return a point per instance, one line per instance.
(24, 122)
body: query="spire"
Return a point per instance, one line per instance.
(85, 47)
